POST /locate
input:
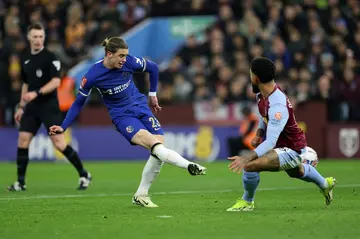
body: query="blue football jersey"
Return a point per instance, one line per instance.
(115, 85)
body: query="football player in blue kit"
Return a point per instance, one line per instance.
(113, 78)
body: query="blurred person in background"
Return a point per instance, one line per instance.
(247, 131)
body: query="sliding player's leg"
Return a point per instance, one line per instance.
(289, 160)
(308, 173)
(251, 179)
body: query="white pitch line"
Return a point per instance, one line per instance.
(162, 193)
(164, 216)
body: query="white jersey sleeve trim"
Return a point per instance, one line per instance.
(144, 68)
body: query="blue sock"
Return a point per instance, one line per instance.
(312, 175)
(250, 182)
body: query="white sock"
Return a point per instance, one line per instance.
(170, 156)
(149, 174)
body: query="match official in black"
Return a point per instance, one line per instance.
(39, 104)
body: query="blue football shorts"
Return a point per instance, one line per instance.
(136, 118)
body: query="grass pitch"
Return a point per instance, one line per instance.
(190, 207)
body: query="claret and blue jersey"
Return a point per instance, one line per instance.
(126, 105)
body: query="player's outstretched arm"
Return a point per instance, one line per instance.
(70, 116)
(278, 117)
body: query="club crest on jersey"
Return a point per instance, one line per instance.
(129, 129)
(278, 116)
(83, 82)
(39, 73)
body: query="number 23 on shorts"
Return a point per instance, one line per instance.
(154, 122)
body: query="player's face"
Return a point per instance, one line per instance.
(36, 39)
(118, 58)
(254, 83)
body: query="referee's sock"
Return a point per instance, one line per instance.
(22, 162)
(74, 159)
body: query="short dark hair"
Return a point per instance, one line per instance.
(263, 68)
(36, 26)
(112, 44)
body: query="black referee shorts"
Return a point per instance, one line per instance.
(35, 114)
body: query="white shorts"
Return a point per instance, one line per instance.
(288, 158)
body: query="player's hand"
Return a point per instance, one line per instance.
(256, 141)
(29, 96)
(154, 104)
(55, 129)
(238, 163)
(18, 114)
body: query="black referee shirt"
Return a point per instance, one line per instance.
(37, 70)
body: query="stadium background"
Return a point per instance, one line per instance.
(203, 48)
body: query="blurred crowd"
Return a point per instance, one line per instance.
(315, 45)
(72, 28)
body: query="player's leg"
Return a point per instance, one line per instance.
(73, 157)
(290, 161)
(286, 159)
(251, 179)
(53, 116)
(29, 125)
(166, 155)
(135, 131)
(308, 173)
(150, 172)
(149, 141)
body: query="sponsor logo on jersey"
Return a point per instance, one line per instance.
(117, 89)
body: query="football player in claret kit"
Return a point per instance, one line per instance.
(40, 71)
(129, 111)
(284, 140)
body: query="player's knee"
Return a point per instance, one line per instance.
(59, 143)
(24, 140)
(145, 139)
(295, 173)
(250, 167)
(160, 138)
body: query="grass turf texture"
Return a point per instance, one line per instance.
(190, 207)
